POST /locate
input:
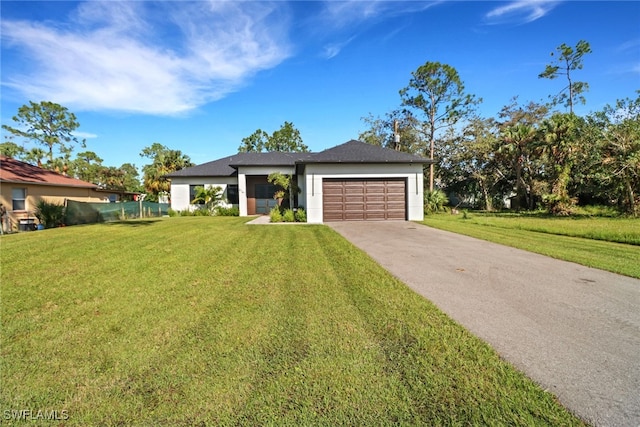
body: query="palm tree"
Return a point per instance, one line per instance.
(435, 201)
(621, 148)
(35, 156)
(559, 146)
(164, 162)
(516, 145)
(208, 196)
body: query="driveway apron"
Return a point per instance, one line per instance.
(574, 330)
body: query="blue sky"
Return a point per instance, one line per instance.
(200, 76)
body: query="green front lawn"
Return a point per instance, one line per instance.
(208, 321)
(611, 244)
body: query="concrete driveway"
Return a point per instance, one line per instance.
(573, 329)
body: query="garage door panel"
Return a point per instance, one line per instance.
(333, 198)
(363, 199)
(398, 208)
(395, 198)
(334, 216)
(353, 216)
(336, 209)
(376, 207)
(332, 188)
(375, 216)
(354, 192)
(374, 187)
(375, 198)
(354, 207)
(396, 213)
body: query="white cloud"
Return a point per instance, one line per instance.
(522, 11)
(629, 45)
(84, 135)
(155, 58)
(340, 13)
(333, 49)
(345, 20)
(344, 13)
(630, 65)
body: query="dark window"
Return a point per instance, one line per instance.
(265, 191)
(19, 196)
(192, 193)
(232, 194)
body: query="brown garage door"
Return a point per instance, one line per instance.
(363, 199)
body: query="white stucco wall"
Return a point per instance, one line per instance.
(180, 199)
(311, 199)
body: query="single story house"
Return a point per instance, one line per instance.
(22, 185)
(352, 181)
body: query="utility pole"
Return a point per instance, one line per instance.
(396, 136)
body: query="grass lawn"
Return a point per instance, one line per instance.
(207, 321)
(611, 244)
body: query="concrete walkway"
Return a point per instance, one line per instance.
(574, 330)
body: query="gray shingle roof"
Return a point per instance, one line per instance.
(350, 152)
(273, 158)
(218, 167)
(360, 152)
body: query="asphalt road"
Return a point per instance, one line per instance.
(574, 330)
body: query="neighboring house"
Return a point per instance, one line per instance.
(353, 181)
(22, 185)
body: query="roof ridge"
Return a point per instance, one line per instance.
(352, 151)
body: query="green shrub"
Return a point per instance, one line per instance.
(222, 211)
(435, 201)
(288, 216)
(301, 215)
(203, 211)
(50, 215)
(172, 213)
(275, 215)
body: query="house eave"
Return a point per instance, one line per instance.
(50, 184)
(366, 162)
(259, 165)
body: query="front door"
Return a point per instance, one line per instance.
(264, 198)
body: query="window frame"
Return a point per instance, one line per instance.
(192, 193)
(14, 199)
(232, 190)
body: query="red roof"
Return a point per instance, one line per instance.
(12, 170)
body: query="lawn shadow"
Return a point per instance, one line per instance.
(134, 222)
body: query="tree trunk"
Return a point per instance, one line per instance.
(633, 209)
(488, 204)
(431, 168)
(521, 191)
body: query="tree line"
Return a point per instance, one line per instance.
(51, 127)
(532, 153)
